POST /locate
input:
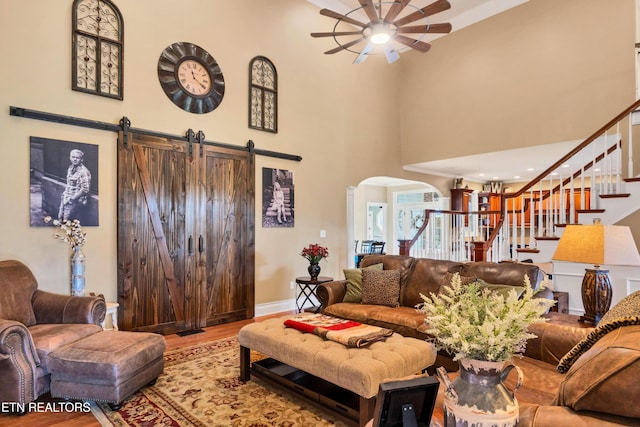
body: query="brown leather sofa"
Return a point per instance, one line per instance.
(419, 276)
(33, 323)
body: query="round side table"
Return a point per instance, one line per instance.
(306, 292)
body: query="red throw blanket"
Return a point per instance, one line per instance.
(343, 331)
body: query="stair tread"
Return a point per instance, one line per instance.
(589, 210)
(613, 196)
(528, 250)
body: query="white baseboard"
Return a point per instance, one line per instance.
(275, 307)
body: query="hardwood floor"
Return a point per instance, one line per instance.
(83, 419)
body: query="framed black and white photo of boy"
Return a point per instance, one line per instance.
(63, 181)
(278, 206)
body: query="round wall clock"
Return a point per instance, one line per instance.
(191, 77)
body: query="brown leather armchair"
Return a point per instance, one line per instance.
(33, 323)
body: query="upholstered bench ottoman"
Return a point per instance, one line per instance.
(359, 370)
(107, 366)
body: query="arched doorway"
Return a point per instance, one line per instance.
(389, 209)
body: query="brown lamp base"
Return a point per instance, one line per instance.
(596, 295)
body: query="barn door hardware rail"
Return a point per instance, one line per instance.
(125, 127)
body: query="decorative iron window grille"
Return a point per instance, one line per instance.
(263, 95)
(98, 44)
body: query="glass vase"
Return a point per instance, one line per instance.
(77, 271)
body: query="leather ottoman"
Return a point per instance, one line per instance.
(108, 366)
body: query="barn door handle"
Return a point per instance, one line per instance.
(201, 244)
(190, 245)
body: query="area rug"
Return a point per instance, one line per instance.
(200, 387)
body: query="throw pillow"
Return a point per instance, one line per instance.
(354, 282)
(381, 287)
(626, 312)
(500, 289)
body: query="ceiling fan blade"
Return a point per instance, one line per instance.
(395, 10)
(336, 33)
(433, 28)
(391, 54)
(364, 54)
(432, 9)
(336, 15)
(415, 44)
(344, 46)
(370, 10)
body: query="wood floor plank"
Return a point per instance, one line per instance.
(82, 419)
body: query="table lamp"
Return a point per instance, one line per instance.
(598, 245)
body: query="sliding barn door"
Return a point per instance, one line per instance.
(185, 235)
(226, 230)
(155, 206)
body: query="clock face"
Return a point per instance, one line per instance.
(191, 78)
(194, 77)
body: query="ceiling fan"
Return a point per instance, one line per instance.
(386, 28)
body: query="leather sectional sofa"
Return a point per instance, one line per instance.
(420, 276)
(601, 385)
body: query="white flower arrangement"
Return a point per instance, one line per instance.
(71, 232)
(470, 322)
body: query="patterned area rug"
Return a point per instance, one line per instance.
(200, 387)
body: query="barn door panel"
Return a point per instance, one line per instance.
(153, 234)
(226, 212)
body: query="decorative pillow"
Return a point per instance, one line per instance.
(500, 289)
(381, 287)
(354, 282)
(624, 313)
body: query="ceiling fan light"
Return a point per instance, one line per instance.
(380, 34)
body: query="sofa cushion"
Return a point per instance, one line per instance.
(381, 287)
(50, 337)
(18, 285)
(624, 313)
(427, 276)
(354, 282)
(503, 290)
(602, 376)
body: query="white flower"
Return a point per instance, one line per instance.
(475, 323)
(71, 232)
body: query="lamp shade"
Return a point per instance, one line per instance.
(598, 245)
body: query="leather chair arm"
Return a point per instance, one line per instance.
(553, 340)
(331, 293)
(18, 363)
(55, 308)
(533, 415)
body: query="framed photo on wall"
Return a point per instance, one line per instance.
(277, 198)
(63, 181)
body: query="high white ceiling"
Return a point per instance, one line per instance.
(518, 165)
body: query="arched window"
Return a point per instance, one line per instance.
(98, 44)
(263, 96)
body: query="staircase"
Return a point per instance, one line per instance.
(529, 222)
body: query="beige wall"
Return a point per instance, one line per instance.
(331, 113)
(544, 72)
(544, 62)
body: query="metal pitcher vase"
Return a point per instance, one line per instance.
(478, 397)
